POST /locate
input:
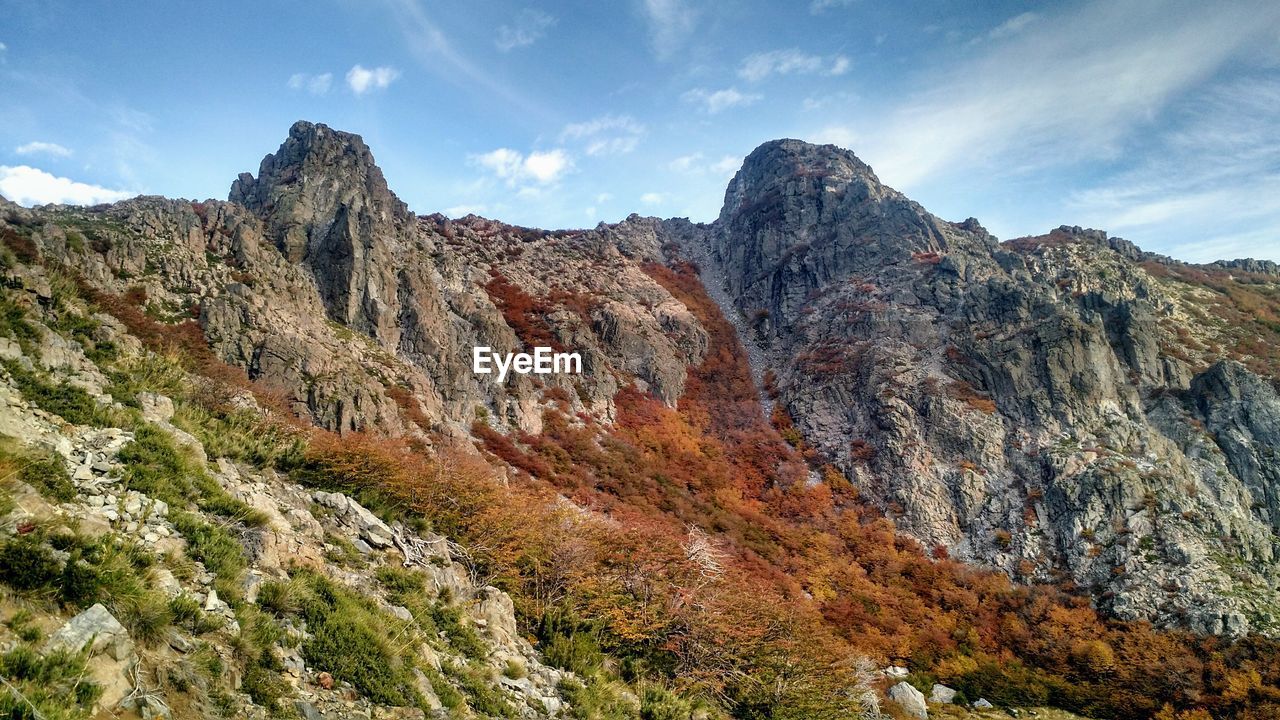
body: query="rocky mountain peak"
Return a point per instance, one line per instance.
(325, 204)
(798, 216)
(318, 177)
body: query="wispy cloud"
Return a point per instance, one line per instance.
(43, 148)
(463, 210)
(525, 29)
(653, 198)
(314, 84)
(1013, 25)
(760, 66)
(817, 7)
(698, 164)
(716, 101)
(671, 23)
(1064, 91)
(1215, 174)
(430, 46)
(841, 135)
(606, 135)
(361, 79)
(31, 186)
(516, 168)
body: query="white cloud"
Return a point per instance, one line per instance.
(841, 135)
(686, 163)
(31, 186)
(1215, 176)
(603, 198)
(727, 165)
(463, 210)
(606, 135)
(697, 164)
(818, 7)
(546, 166)
(1013, 25)
(314, 84)
(1021, 104)
(671, 22)
(715, 101)
(517, 168)
(362, 80)
(42, 148)
(760, 66)
(527, 28)
(653, 198)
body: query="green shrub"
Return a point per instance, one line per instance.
(14, 324)
(570, 644)
(47, 473)
(157, 466)
(401, 582)
(146, 616)
(185, 610)
(239, 434)
(279, 598)
(484, 694)
(80, 584)
(212, 545)
(355, 641)
(595, 700)
(52, 686)
(27, 563)
(67, 401)
(462, 637)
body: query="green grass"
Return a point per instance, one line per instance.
(239, 434)
(484, 694)
(52, 686)
(212, 545)
(67, 401)
(157, 466)
(46, 473)
(14, 324)
(351, 637)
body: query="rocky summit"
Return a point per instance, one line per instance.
(1055, 405)
(250, 471)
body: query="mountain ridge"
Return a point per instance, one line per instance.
(1065, 408)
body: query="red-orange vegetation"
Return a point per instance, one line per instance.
(849, 581)
(525, 314)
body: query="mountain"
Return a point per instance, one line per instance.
(1050, 406)
(827, 432)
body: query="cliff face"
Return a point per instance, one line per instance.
(1047, 405)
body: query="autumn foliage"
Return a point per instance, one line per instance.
(704, 550)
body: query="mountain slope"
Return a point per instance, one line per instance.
(649, 523)
(1041, 405)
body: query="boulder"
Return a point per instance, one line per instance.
(96, 627)
(941, 694)
(983, 704)
(909, 699)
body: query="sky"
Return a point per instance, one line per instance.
(1158, 121)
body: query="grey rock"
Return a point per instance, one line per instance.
(941, 694)
(983, 704)
(96, 628)
(909, 699)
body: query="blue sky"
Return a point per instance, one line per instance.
(1157, 121)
